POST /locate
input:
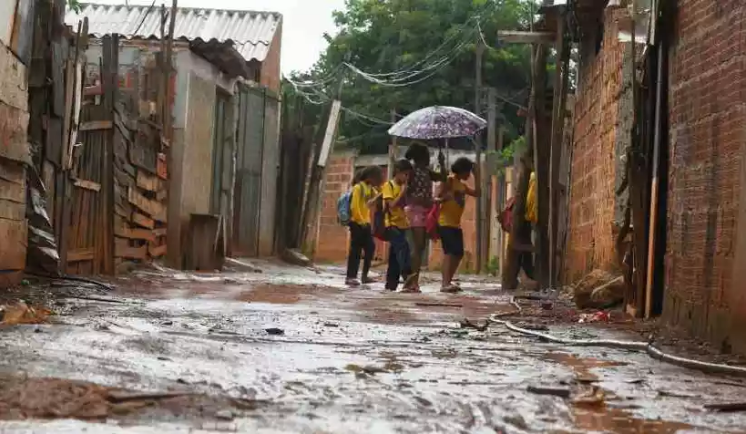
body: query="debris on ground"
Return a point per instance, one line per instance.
(594, 317)
(728, 407)
(22, 313)
(274, 331)
(562, 392)
(599, 290)
(594, 397)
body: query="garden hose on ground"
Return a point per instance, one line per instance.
(647, 347)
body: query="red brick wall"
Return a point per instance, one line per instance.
(332, 239)
(270, 72)
(590, 242)
(707, 97)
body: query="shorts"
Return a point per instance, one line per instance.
(417, 215)
(452, 240)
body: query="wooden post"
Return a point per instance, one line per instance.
(656, 183)
(523, 173)
(541, 147)
(478, 145)
(488, 176)
(393, 148)
(558, 123)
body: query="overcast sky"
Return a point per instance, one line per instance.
(303, 30)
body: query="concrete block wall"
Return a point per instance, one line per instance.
(598, 130)
(14, 155)
(705, 289)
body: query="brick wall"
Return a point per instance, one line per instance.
(14, 154)
(707, 98)
(331, 238)
(270, 69)
(600, 114)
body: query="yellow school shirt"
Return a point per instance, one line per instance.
(395, 217)
(361, 194)
(452, 209)
(531, 203)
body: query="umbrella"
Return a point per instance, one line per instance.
(438, 122)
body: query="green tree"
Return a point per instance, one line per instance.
(380, 36)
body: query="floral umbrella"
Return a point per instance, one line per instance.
(438, 122)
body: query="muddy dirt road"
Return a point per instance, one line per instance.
(291, 350)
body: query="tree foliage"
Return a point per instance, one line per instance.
(381, 36)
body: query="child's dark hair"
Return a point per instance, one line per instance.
(358, 177)
(462, 166)
(418, 153)
(372, 173)
(402, 166)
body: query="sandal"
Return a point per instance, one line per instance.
(450, 289)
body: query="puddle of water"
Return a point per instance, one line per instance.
(622, 422)
(581, 366)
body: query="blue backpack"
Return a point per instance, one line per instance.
(344, 214)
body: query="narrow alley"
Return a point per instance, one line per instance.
(291, 350)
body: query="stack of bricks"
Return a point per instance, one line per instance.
(597, 131)
(704, 295)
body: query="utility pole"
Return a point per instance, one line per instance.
(393, 147)
(478, 145)
(488, 176)
(325, 147)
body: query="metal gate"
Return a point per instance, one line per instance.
(249, 157)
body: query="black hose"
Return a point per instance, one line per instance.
(105, 286)
(647, 347)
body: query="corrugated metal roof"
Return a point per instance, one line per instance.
(250, 32)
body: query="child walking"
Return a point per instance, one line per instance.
(452, 195)
(397, 225)
(419, 203)
(362, 199)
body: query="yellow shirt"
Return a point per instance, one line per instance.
(532, 210)
(361, 194)
(452, 209)
(395, 217)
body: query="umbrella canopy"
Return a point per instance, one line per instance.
(438, 122)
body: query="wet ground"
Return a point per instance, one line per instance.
(292, 350)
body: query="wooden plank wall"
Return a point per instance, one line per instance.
(119, 173)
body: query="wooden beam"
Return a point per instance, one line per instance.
(96, 125)
(88, 185)
(79, 255)
(134, 233)
(558, 123)
(122, 249)
(157, 251)
(142, 220)
(518, 37)
(155, 209)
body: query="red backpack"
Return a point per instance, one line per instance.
(431, 222)
(506, 215)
